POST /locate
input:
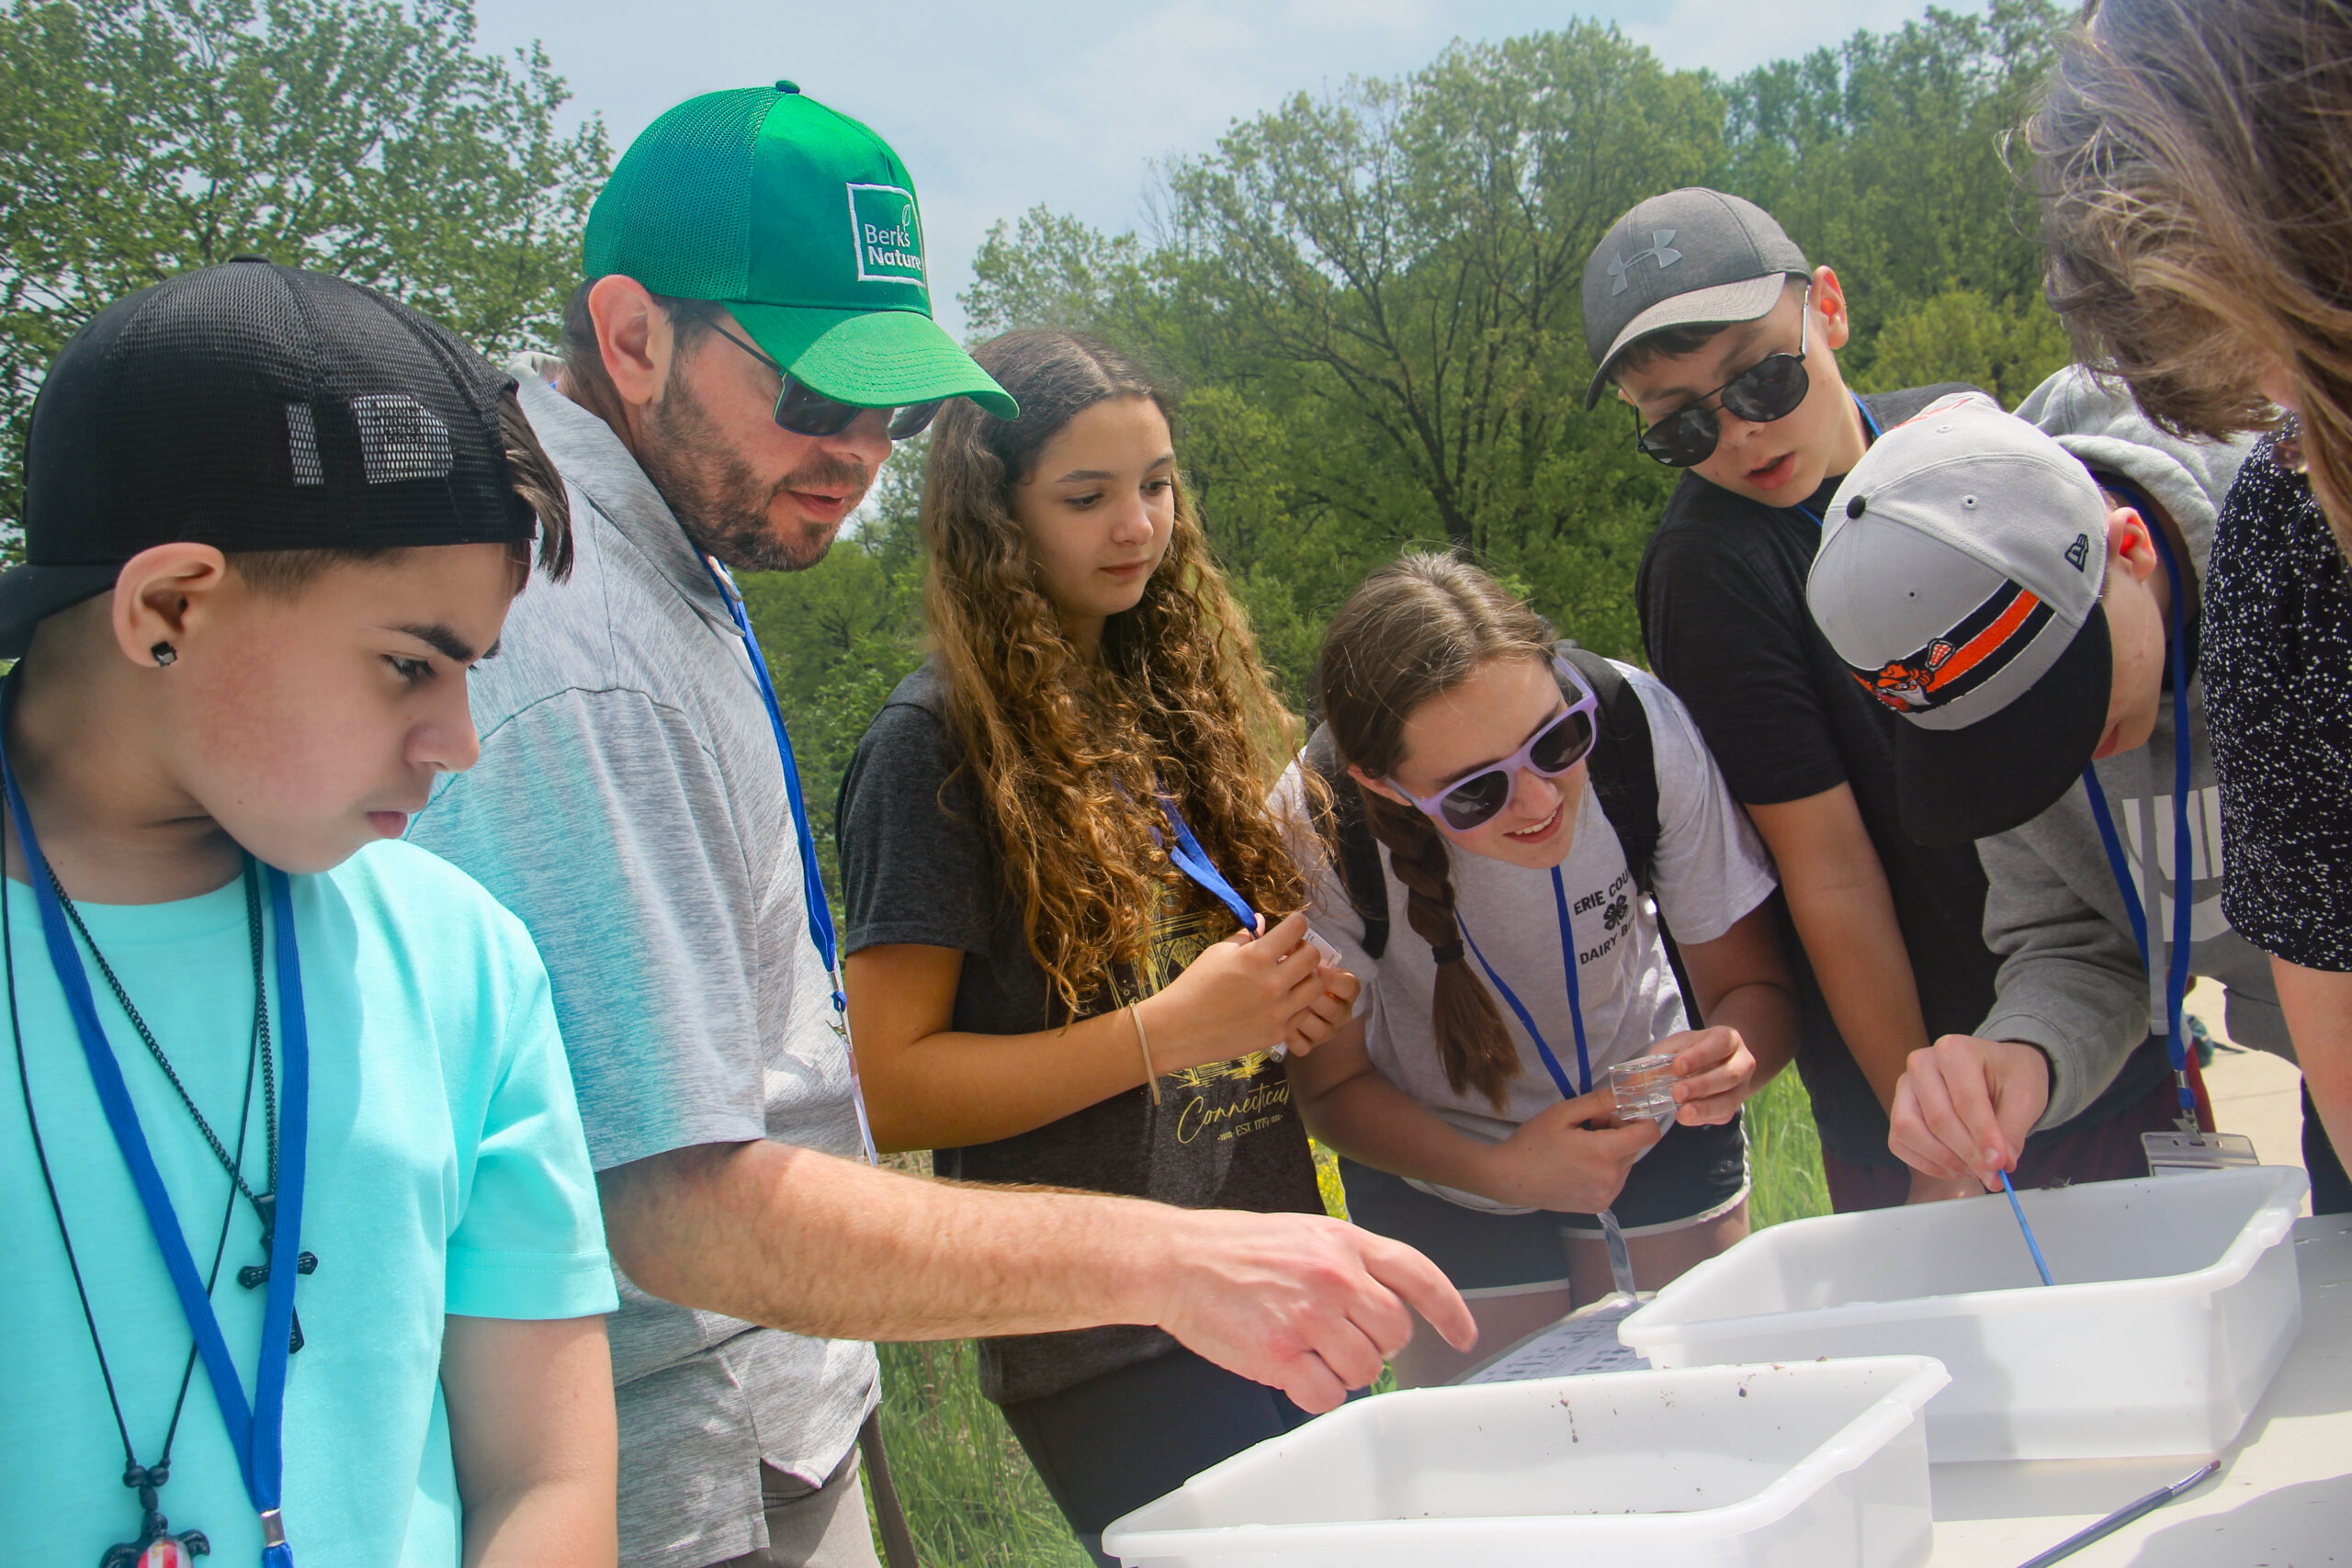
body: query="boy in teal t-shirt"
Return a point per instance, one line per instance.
(305, 1262)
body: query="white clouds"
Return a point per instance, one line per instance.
(997, 107)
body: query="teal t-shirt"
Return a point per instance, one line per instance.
(448, 1173)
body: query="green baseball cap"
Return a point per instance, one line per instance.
(803, 223)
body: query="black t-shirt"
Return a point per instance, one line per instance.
(2278, 703)
(919, 867)
(1722, 591)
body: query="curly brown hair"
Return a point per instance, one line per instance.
(2193, 162)
(1416, 629)
(1070, 754)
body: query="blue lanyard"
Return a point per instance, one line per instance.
(1576, 998)
(1194, 862)
(1869, 424)
(2183, 881)
(256, 1431)
(812, 881)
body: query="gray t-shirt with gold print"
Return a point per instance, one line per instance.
(918, 867)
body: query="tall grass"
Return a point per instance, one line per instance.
(1784, 1155)
(970, 1495)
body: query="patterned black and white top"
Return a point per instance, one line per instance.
(2277, 668)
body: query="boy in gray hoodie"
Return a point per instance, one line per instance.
(2023, 590)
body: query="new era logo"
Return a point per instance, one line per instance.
(1660, 249)
(886, 235)
(2078, 554)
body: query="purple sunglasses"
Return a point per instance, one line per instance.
(1551, 750)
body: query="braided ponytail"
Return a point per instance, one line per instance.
(1415, 630)
(1472, 1043)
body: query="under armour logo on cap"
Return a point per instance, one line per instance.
(1661, 247)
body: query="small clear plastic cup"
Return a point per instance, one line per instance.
(1645, 1087)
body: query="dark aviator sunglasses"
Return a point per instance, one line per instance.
(804, 411)
(1768, 389)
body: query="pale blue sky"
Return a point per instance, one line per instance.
(999, 105)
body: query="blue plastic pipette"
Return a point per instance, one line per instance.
(2031, 1245)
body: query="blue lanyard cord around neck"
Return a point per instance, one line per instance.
(1583, 1084)
(2183, 879)
(254, 1430)
(812, 880)
(1194, 862)
(1870, 427)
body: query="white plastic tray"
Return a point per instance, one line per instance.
(1807, 1466)
(2173, 1308)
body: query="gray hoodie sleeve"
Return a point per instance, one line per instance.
(2071, 980)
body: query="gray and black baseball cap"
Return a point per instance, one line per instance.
(255, 407)
(1692, 258)
(1958, 578)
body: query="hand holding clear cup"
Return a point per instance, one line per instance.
(1701, 1080)
(1329, 966)
(1269, 990)
(1645, 1090)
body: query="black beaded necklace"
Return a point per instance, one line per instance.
(157, 1542)
(265, 1203)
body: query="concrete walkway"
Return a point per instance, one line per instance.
(2254, 1092)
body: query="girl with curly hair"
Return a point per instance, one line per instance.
(1055, 846)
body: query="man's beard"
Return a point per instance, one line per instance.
(720, 503)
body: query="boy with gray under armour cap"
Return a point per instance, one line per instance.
(2022, 592)
(1721, 341)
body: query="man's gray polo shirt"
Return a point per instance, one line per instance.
(629, 806)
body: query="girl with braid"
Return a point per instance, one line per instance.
(1470, 1103)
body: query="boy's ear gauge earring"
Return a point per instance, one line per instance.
(164, 653)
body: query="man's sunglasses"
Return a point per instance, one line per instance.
(804, 411)
(1768, 389)
(1552, 750)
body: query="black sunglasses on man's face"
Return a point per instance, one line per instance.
(1768, 389)
(804, 411)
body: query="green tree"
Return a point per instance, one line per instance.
(369, 138)
(1049, 269)
(1371, 299)
(1960, 336)
(1884, 157)
(1408, 255)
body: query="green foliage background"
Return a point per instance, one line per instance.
(369, 138)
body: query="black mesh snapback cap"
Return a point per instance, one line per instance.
(255, 407)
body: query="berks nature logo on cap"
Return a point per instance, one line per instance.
(886, 235)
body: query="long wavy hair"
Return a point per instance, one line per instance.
(2195, 166)
(1072, 753)
(1415, 630)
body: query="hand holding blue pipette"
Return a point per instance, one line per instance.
(2031, 1245)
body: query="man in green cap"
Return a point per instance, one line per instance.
(755, 334)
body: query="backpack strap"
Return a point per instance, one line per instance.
(1624, 773)
(1359, 851)
(1623, 769)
